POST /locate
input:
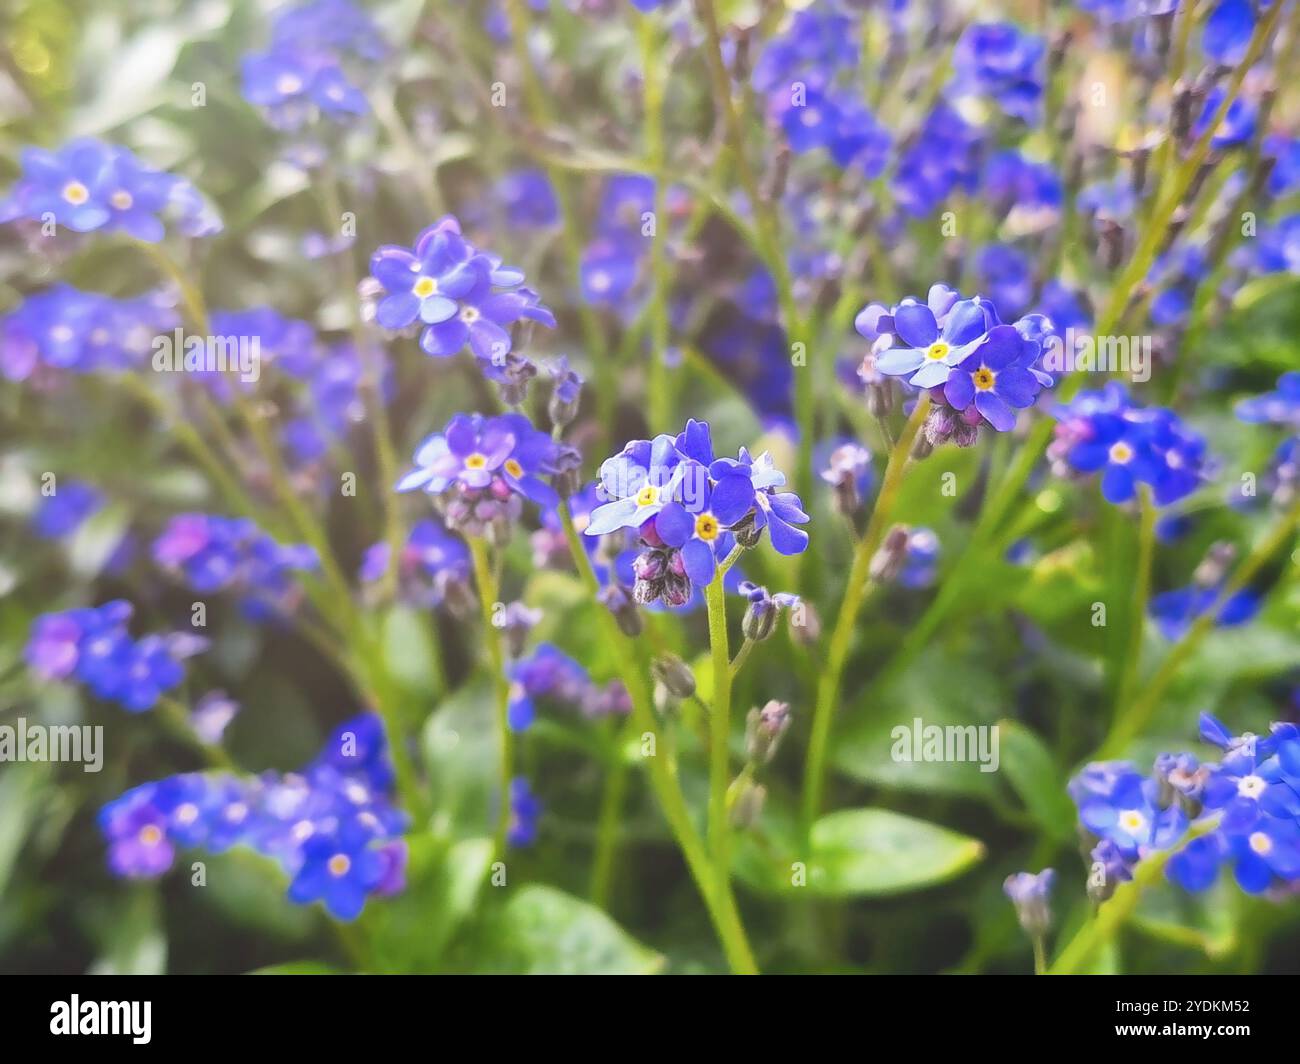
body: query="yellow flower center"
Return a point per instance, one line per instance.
(288, 84)
(151, 835)
(475, 461)
(1132, 821)
(339, 864)
(469, 315)
(76, 193)
(937, 351)
(647, 496)
(514, 468)
(187, 813)
(425, 287)
(706, 527)
(984, 378)
(122, 199)
(1121, 453)
(1261, 843)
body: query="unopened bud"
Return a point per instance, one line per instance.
(747, 804)
(616, 599)
(763, 730)
(674, 674)
(889, 558)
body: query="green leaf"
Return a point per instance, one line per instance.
(858, 853)
(940, 689)
(541, 930)
(1038, 780)
(410, 932)
(408, 647)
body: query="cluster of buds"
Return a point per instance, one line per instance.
(943, 425)
(485, 512)
(661, 577)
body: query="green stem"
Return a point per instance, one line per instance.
(739, 660)
(1136, 623)
(659, 394)
(714, 889)
(1136, 717)
(539, 108)
(719, 726)
(855, 589)
(331, 210)
(485, 577)
(611, 809)
(767, 231)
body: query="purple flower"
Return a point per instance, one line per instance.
(694, 526)
(996, 378)
(931, 352)
(89, 185)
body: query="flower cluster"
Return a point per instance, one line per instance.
(549, 675)
(431, 566)
(689, 508)
(64, 328)
(1106, 432)
(213, 553)
(93, 646)
(1244, 811)
(302, 74)
(460, 295)
(89, 185)
(481, 468)
(977, 369)
(332, 828)
(1001, 61)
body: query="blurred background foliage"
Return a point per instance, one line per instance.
(907, 876)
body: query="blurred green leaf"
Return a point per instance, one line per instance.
(858, 853)
(1038, 780)
(543, 931)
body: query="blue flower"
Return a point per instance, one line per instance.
(528, 199)
(1002, 61)
(339, 869)
(996, 378)
(424, 287)
(461, 295)
(1175, 611)
(692, 526)
(547, 673)
(88, 185)
(944, 157)
(921, 559)
(776, 511)
(1103, 431)
(214, 553)
(1237, 125)
(1228, 31)
(525, 812)
(1127, 815)
(641, 480)
(431, 562)
(1280, 406)
(63, 512)
(932, 353)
